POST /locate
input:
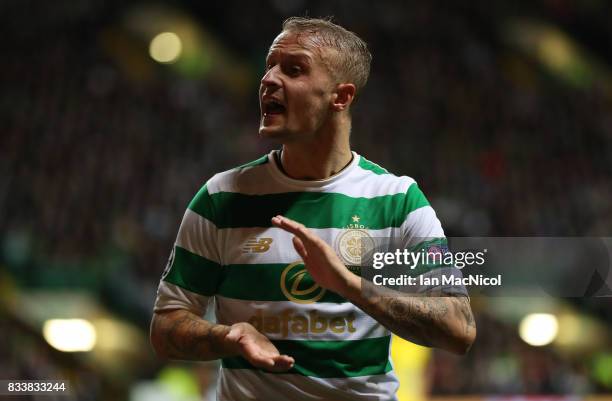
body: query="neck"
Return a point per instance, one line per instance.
(319, 158)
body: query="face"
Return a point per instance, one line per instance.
(296, 91)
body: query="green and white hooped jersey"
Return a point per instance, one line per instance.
(227, 249)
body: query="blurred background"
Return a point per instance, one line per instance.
(115, 113)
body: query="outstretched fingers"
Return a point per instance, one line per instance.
(300, 248)
(269, 360)
(293, 227)
(283, 363)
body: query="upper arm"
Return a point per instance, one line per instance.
(420, 222)
(194, 270)
(422, 231)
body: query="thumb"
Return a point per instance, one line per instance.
(300, 248)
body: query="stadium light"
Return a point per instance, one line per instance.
(539, 329)
(166, 47)
(70, 335)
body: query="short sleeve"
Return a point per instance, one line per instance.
(194, 272)
(422, 232)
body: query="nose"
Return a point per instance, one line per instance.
(270, 78)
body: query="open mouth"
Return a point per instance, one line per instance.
(272, 107)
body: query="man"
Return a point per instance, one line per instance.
(263, 240)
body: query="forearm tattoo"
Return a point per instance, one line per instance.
(425, 320)
(463, 306)
(183, 335)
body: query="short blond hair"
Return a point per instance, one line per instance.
(353, 61)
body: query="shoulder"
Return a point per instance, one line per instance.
(374, 174)
(232, 180)
(375, 168)
(404, 187)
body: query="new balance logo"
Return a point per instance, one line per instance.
(257, 245)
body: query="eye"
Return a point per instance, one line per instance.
(295, 69)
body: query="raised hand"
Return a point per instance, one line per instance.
(322, 263)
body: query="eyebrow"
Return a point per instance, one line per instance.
(295, 55)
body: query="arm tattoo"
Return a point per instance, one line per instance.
(183, 335)
(425, 320)
(413, 318)
(463, 306)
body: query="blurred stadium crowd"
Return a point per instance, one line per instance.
(102, 148)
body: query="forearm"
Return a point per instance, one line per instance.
(433, 321)
(444, 322)
(181, 334)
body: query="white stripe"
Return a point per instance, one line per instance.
(198, 235)
(263, 179)
(421, 225)
(350, 322)
(244, 384)
(235, 248)
(170, 297)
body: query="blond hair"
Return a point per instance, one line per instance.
(353, 61)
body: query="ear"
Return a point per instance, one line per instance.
(345, 93)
